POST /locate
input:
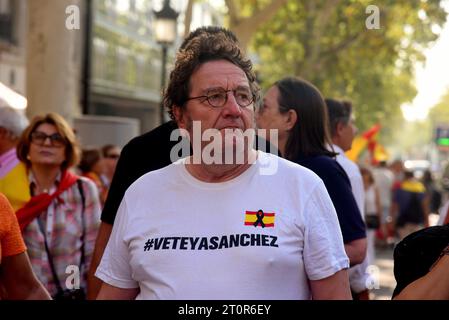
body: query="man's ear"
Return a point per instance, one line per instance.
(339, 129)
(178, 113)
(292, 118)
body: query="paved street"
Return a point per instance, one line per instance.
(387, 283)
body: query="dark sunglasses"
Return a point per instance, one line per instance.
(56, 140)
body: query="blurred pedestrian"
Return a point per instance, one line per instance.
(17, 279)
(59, 223)
(297, 110)
(432, 193)
(13, 173)
(92, 166)
(397, 168)
(384, 180)
(409, 210)
(373, 212)
(111, 154)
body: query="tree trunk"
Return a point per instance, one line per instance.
(53, 59)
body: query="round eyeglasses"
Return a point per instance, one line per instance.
(218, 97)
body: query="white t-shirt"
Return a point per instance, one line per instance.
(176, 237)
(358, 275)
(355, 177)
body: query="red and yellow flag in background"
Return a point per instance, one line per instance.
(368, 140)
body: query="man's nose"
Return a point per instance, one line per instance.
(231, 106)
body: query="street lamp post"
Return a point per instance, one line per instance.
(165, 33)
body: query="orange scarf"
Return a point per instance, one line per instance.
(34, 207)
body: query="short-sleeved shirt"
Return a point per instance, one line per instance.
(11, 242)
(339, 187)
(256, 236)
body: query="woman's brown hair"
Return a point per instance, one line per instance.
(72, 148)
(310, 135)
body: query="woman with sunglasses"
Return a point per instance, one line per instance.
(59, 223)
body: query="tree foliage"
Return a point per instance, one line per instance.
(328, 43)
(414, 139)
(439, 114)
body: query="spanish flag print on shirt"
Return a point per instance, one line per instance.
(259, 219)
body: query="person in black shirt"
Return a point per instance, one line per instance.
(297, 110)
(145, 153)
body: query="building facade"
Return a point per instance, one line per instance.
(112, 68)
(13, 15)
(127, 60)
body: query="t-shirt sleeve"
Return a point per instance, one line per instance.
(11, 241)
(115, 268)
(324, 252)
(339, 188)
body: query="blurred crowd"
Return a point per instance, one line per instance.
(59, 200)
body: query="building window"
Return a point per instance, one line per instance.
(5, 20)
(12, 78)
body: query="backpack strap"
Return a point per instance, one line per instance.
(50, 257)
(83, 222)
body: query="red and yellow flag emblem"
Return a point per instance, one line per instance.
(259, 219)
